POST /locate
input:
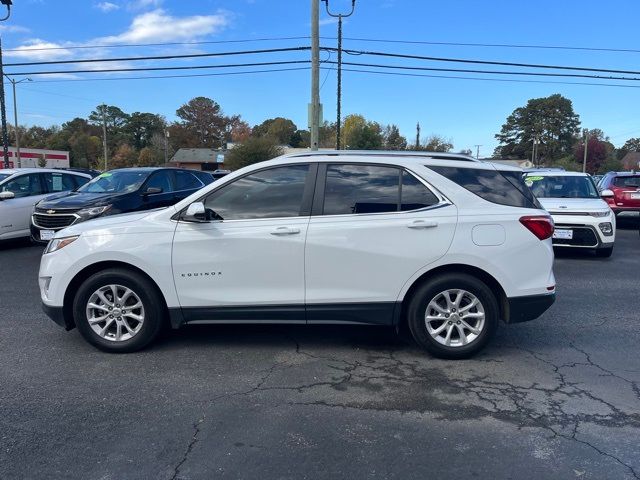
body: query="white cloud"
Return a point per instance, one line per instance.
(37, 49)
(158, 26)
(329, 21)
(13, 29)
(107, 7)
(142, 4)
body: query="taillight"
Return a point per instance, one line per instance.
(540, 225)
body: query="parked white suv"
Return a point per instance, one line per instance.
(582, 218)
(444, 246)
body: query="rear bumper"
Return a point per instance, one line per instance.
(57, 315)
(523, 309)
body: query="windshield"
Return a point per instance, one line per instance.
(4, 175)
(115, 182)
(549, 186)
(627, 181)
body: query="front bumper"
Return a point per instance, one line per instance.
(523, 309)
(57, 315)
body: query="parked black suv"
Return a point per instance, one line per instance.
(117, 191)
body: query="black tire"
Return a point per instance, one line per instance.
(423, 295)
(147, 292)
(604, 252)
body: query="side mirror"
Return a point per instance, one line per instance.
(152, 190)
(196, 212)
(6, 195)
(606, 193)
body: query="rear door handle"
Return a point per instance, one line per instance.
(285, 231)
(418, 224)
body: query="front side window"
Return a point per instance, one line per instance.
(24, 186)
(549, 186)
(273, 193)
(59, 182)
(356, 189)
(161, 180)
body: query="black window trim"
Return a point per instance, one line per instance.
(317, 209)
(307, 195)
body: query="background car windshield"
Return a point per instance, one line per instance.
(627, 181)
(4, 175)
(115, 182)
(562, 186)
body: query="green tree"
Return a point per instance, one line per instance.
(204, 120)
(125, 156)
(327, 135)
(392, 138)
(436, 143)
(551, 119)
(115, 118)
(631, 145)
(360, 134)
(150, 157)
(279, 128)
(141, 127)
(253, 150)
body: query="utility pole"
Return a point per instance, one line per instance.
(314, 110)
(586, 145)
(418, 136)
(339, 16)
(534, 151)
(3, 110)
(104, 136)
(166, 147)
(477, 151)
(15, 116)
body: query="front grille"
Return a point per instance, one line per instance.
(582, 237)
(56, 221)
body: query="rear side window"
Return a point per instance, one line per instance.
(496, 186)
(186, 181)
(414, 194)
(59, 182)
(627, 181)
(361, 189)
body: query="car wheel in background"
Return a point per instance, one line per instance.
(118, 310)
(453, 315)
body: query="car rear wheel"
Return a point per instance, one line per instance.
(453, 315)
(118, 310)
(604, 252)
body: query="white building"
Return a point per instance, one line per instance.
(31, 157)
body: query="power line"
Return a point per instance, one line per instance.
(483, 62)
(154, 77)
(165, 44)
(455, 77)
(158, 57)
(494, 45)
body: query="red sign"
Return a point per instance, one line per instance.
(2, 164)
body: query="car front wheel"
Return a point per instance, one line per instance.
(118, 310)
(453, 315)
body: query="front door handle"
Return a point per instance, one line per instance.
(285, 231)
(418, 224)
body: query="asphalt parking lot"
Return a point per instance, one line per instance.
(555, 398)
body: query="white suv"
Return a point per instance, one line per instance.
(582, 218)
(443, 246)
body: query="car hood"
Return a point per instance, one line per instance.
(77, 200)
(109, 224)
(573, 204)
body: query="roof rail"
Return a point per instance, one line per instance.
(384, 153)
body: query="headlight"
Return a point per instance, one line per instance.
(599, 214)
(91, 212)
(59, 243)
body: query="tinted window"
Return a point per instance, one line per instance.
(496, 186)
(186, 181)
(80, 180)
(361, 189)
(276, 192)
(161, 180)
(627, 181)
(58, 182)
(4, 175)
(24, 185)
(414, 194)
(560, 186)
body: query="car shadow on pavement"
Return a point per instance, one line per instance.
(18, 243)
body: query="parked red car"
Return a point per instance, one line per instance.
(621, 190)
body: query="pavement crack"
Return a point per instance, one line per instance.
(194, 440)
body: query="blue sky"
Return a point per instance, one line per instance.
(467, 111)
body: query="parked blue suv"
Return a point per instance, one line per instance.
(113, 192)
